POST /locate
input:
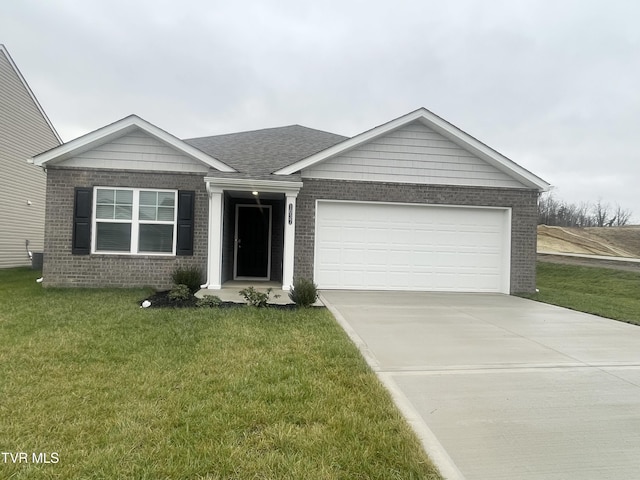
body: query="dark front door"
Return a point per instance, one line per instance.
(253, 241)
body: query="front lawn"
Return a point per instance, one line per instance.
(116, 391)
(601, 291)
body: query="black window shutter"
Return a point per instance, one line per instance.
(81, 240)
(186, 204)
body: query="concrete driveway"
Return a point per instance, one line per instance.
(499, 387)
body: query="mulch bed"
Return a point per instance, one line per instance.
(161, 300)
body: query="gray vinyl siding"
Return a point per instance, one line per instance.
(412, 154)
(136, 151)
(24, 132)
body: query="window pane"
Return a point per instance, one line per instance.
(104, 211)
(106, 199)
(113, 237)
(148, 198)
(124, 197)
(147, 213)
(156, 239)
(165, 214)
(166, 199)
(123, 212)
(105, 196)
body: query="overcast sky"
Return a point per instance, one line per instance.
(553, 85)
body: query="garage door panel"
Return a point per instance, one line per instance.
(485, 264)
(353, 234)
(422, 257)
(399, 246)
(332, 257)
(375, 261)
(397, 257)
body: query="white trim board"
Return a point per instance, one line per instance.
(118, 129)
(236, 243)
(439, 125)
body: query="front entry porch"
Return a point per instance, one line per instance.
(251, 231)
(230, 292)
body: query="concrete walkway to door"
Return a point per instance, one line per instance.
(501, 387)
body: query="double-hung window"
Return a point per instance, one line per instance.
(135, 221)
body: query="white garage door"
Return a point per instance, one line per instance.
(386, 246)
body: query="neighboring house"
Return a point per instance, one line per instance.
(24, 131)
(413, 204)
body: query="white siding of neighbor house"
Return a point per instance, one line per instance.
(136, 151)
(412, 154)
(24, 132)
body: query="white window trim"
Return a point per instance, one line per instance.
(135, 222)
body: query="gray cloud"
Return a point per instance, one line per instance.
(553, 85)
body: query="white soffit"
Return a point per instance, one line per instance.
(248, 184)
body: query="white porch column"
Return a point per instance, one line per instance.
(289, 239)
(214, 251)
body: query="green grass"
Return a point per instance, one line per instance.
(122, 392)
(601, 291)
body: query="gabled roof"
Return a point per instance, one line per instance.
(431, 120)
(261, 152)
(118, 129)
(28, 89)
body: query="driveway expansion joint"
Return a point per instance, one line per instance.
(443, 370)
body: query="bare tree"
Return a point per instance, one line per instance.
(547, 209)
(583, 217)
(554, 212)
(601, 214)
(622, 216)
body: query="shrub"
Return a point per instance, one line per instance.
(191, 277)
(209, 301)
(256, 298)
(179, 293)
(304, 292)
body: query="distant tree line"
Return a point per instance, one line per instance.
(555, 212)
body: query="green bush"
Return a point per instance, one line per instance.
(209, 301)
(256, 298)
(191, 277)
(304, 292)
(180, 293)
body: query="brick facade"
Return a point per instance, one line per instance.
(61, 268)
(522, 202)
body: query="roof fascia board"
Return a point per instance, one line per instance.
(440, 125)
(4, 50)
(251, 184)
(118, 129)
(485, 152)
(349, 144)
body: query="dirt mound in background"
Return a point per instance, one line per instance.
(607, 241)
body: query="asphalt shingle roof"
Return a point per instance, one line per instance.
(259, 153)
